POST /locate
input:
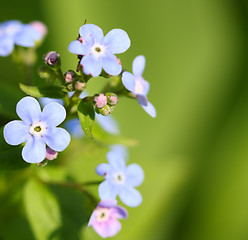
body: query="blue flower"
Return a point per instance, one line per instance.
(37, 129)
(98, 51)
(15, 33)
(120, 180)
(138, 85)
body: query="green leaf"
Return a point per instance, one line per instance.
(10, 156)
(47, 91)
(86, 114)
(42, 210)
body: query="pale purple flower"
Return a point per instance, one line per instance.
(104, 218)
(120, 180)
(138, 85)
(98, 51)
(37, 129)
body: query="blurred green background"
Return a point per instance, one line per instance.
(194, 154)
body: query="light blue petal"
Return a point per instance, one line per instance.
(150, 109)
(6, 46)
(34, 150)
(10, 28)
(91, 33)
(73, 126)
(83, 94)
(128, 81)
(102, 169)
(134, 175)
(78, 48)
(120, 212)
(146, 86)
(28, 109)
(107, 190)
(116, 160)
(108, 123)
(57, 139)
(139, 65)
(130, 196)
(111, 65)
(123, 150)
(91, 66)
(27, 36)
(107, 203)
(117, 41)
(53, 114)
(45, 100)
(142, 99)
(16, 132)
(92, 219)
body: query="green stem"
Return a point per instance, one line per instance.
(77, 186)
(28, 74)
(61, 76)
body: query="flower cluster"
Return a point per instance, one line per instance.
(119, 180)
(64, 99)
(16, 33)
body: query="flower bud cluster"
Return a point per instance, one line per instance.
(105, 103)
(74, 82)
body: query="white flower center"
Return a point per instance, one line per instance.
(102, 214)
(138, 87)
(119, 178)
(38, 129)
(97, 50)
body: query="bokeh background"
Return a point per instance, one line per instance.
(195, 153)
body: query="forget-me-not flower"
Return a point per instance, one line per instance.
(37, 129)
(98, 51)
(104, 218)
(120, 180)
(15, 33)
(138, 85)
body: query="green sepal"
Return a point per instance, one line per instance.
(47, 91)
(86, 114)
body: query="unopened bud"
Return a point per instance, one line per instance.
(80, 86)
(70, 87)
(43, 163)
(51, 154)
(100, 100)
(52, 59)
(70, 76)
(106, 110)
(112, 99)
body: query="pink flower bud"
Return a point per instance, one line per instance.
(100, 100)
(52, 59)
(51, 154)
